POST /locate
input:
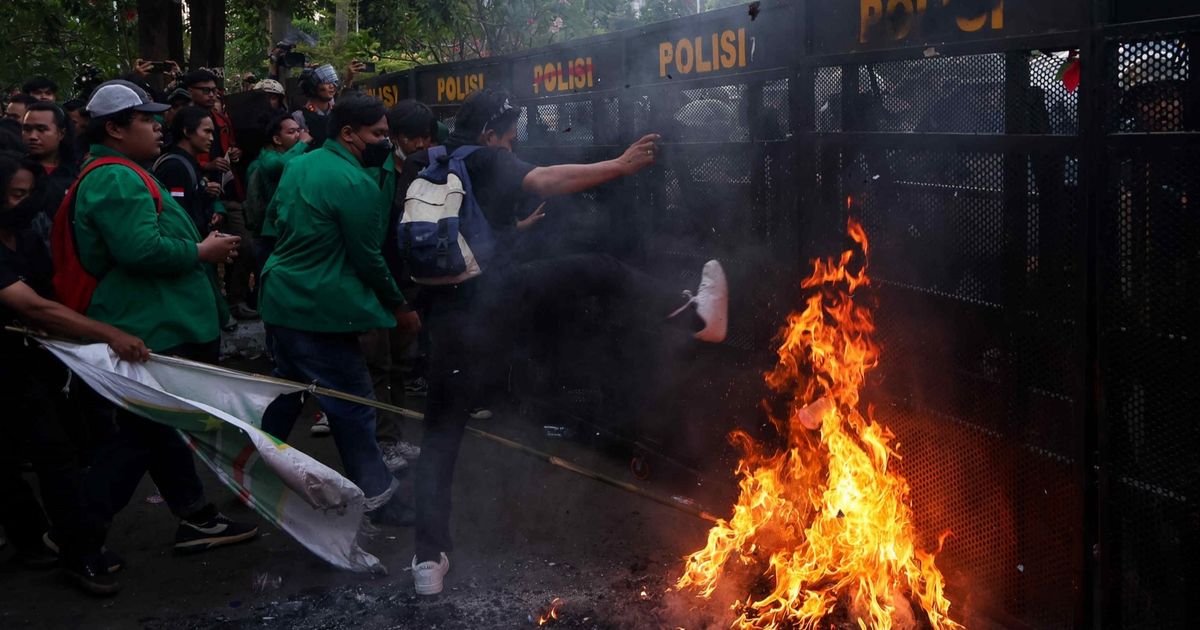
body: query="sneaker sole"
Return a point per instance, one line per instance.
(204, 544)
(429, 590)
(101, 590)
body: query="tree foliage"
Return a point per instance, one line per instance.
(56, 38)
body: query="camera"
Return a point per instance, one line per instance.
(285, 56)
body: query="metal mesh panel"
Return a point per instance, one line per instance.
(976, 259)
(574, 123)
(947, 94)
(1149, 86)
(716, 194)
(937, 218)
(1151, 313)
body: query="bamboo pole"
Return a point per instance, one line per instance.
(553, 460)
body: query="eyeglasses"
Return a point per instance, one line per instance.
(206, 90)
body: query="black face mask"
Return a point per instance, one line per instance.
(21, 216)
(375, 154)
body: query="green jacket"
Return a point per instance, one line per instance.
(271, 164)
(152, 283)
(327, 273)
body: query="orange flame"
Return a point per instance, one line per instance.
(552, 614)
(828, 514)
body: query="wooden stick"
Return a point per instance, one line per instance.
(553, 460)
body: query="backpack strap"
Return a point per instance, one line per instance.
(174, 157)
(146, 177)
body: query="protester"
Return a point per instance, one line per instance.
(202, 88)
(411, 127)
(276, 96)
(49, 139)
(466, 317)
(318, 85)
(41, 88)
(177, 100)
(326, 282)
(152, 284)
(78, 115)
(286, 141)
(179, 169)
(31, 381)
(17, 105)
(10, 136)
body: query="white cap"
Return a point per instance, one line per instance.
(118, 95)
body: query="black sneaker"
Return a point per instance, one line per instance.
(215, 531)
(110, 560)
(89, 575)
(394, 512)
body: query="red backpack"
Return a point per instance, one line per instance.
(74, 284)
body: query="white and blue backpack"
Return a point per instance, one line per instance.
(443, 234)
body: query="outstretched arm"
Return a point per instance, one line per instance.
(565, 179)
(55, 317)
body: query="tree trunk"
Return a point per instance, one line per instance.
(341, 22)
(152, 35)
(207, 18)
(279, 18)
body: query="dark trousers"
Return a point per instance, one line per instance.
(468, 324)
(335, 361)
(42, 428)
(380, 347)
(129, 446)
(263, 247)
(237, 273)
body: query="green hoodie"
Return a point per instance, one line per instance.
(327, 273)
(152, 283)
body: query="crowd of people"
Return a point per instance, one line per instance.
(133, 217)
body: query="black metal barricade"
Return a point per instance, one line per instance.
(1035, 248)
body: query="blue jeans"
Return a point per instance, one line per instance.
(334, 361)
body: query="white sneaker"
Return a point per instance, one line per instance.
(712, 303)
(392, 457)
(481, 413)
(427, 576)
(320, 428)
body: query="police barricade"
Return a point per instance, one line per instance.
(1025, 173)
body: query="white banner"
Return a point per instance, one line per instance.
(218, 413)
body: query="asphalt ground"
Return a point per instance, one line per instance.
(526, 533)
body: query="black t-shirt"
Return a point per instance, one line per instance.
(183, 179)
(496, 176)
(29, 263)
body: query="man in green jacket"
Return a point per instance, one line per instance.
(286, 141)
(326, 282)
(153, 285)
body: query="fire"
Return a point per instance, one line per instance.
(828, 515)
(552, 614)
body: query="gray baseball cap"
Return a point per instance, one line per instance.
(118, 95)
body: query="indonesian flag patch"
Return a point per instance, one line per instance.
(177, 192)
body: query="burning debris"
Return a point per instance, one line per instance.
(551, 613)
(827, 519)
